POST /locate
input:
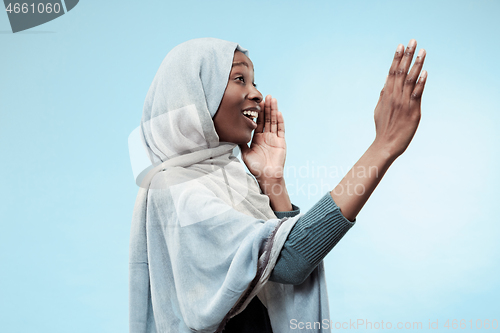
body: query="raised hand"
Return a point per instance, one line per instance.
(397, 113)
(266, 156)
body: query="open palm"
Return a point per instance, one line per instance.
(265, 158)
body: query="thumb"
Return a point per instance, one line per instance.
(381, 95)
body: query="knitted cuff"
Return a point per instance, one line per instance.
(295, 210)
(319, 230)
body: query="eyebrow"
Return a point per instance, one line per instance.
(239, 64)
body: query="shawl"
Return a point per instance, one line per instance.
(204, 239)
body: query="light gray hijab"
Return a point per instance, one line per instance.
(204, 240)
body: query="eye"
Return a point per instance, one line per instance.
(242, 79)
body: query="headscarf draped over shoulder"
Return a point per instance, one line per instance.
(204, 239)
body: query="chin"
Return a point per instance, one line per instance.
(240, 138)
(243, 140)
(248, 139)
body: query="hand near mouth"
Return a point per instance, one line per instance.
(265, 158)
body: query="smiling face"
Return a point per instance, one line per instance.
(240, 95)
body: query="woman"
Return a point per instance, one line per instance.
(210, 247)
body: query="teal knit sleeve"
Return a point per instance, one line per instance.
(310, 240)
(295, 210)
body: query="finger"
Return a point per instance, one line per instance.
(274, 115)
(404, 65)
(281, 125)
(267, 114)
(392, 71)
(416, 95)
(411, 78)
(260, 119)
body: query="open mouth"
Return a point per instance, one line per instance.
(252, 115)
(251, 118)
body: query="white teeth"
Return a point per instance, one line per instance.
(254, 114)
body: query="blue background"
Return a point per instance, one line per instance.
(425, 246)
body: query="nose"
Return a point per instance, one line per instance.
(255, 95)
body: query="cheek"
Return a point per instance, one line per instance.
(234, 95)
